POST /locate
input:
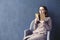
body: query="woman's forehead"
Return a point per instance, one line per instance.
(41, 8)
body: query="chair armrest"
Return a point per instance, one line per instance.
(48, 35)
(27, 32)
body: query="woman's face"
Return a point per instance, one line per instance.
(42, 10)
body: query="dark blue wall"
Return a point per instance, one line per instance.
(16, 16)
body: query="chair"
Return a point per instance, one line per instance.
(29, 32)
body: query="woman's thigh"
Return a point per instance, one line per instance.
(37, 37)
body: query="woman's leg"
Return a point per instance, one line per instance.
(37, 37)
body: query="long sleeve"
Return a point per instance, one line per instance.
(49, 24)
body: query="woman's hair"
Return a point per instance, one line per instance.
(46, 13)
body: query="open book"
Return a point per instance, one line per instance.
(42, 16)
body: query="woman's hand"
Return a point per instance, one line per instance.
(35, 31)
(36, 19)
(41, 21)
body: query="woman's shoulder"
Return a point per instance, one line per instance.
(48, 17)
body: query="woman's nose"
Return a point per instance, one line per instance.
(40, 12)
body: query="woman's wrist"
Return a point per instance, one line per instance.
(41, 21)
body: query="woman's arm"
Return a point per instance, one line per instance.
(48, 24)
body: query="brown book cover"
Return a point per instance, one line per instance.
(42, 16)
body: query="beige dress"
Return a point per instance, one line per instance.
(41, 31)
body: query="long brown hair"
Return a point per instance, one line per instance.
(46, 13)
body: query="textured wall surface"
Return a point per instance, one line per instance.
(16, 16)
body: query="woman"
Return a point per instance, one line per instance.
(41, 25)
